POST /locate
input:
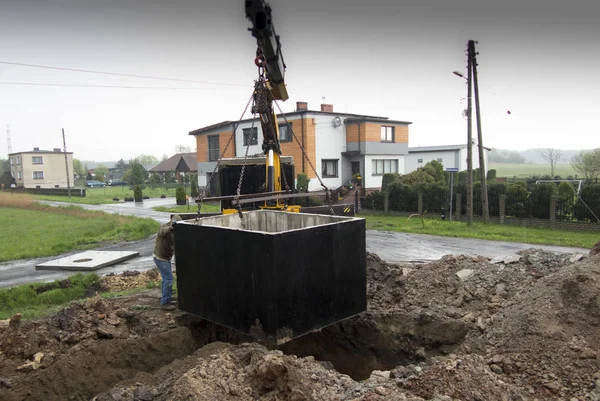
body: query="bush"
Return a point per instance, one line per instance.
(436, 198)
(194, 188)
(373, 201)
(565, 190)
(315, 201)
(539, 200)
(180, 195)
(302, 182)
(491, 175)
(590, 196)
(495, 189)
(137, 193)
(389, 179)
(403, 198)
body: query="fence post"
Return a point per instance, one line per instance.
(356, 203)
(420, 203)
(386, 202)
(502, 208)
(552, 210)
(458, 207)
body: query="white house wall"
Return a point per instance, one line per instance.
(450, 159)
(330, 142)
(374, 181)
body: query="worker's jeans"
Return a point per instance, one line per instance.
(164, 267)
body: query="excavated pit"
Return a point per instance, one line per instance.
(462, 327)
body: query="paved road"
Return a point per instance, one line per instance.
(390, 246)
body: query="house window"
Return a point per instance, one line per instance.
(19, 176)
(38, 175)
(250, 136)
(384, 166)
(18, 160)
(213, 148)
(285, 133)
(330, 168)
(387, 134)
(12, 161)
(419, 160)
(439, 159)
(36, 160)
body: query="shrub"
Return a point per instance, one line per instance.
(373, 201)
(565, 190)
(302, 182)
(194, 188)
(436, 198)
(590, 199)
(491, 175)
(137, 193)
(180, 194)
(495, 189)
(539, 200)
(389, 179)
(403, 198)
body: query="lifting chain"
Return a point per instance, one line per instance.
(201, 197)
(239, 186)
(328, 195)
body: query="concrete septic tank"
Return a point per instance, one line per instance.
(277, 277)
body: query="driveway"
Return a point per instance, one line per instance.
(390, 246)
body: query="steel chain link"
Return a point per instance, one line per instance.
(199, 202)
(304, 154)
(239, 186)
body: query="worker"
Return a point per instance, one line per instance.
(164, 247)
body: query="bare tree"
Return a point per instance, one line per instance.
(552, 156)
(587, 163)
(183, 149)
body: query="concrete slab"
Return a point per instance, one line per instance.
(88, 260)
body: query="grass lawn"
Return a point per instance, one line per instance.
(30, 229)
(99, 196)
(530, 169)
(209, 207)
(497, 232)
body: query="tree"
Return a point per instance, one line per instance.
(101, 171)
(4, 165)
(552, 156)
(121, 167)
(136, 174)
(148, 161)
(78, 168)
(587, 163)
(182, 149)
(436, 170)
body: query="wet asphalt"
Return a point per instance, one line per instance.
(390, 246)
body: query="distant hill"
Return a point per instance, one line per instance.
(526, 156)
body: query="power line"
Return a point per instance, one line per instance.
(119, 74)
(109, 86)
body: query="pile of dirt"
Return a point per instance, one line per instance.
(522, 327)
(129, 280)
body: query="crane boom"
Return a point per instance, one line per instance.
(269, 46)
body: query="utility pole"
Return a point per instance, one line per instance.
(66, 164)
(8, 139)
(484, 193)
(470, 50)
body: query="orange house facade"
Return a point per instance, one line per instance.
(337, 145)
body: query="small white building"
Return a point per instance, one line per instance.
(451, 156)
(41, 168)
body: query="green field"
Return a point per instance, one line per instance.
(530, 169)
(99, 196)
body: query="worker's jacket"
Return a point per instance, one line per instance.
(164, 246)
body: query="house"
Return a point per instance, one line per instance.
(451, 156)
(338, 145)
(41, 168)
(179, 163)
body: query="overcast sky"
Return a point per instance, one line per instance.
(538, 59)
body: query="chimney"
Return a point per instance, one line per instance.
(301, 106)
(57, 149)
(36, 149)
(328, 108)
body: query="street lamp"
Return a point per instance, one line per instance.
(469, 145)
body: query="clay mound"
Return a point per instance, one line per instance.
(249, 372)
(547, 339)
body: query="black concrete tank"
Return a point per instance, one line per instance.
(277, 277)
